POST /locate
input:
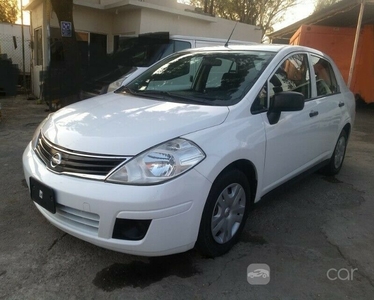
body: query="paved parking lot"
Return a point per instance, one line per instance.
(317, 237)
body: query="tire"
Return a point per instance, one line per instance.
(337, 158)
(225, 213)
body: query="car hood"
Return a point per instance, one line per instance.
(121, 124)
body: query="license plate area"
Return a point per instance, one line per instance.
(43, 195)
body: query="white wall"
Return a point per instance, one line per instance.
(37, 17)
(169, 3)
(96, 2)
(37, 20)
(7, 32)
(90, 20)
(152, 21)
(127, 22)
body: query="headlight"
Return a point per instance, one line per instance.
(36, 135)
(159, 164)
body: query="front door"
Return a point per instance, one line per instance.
(293, 142)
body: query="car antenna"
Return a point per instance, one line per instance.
(227, 43)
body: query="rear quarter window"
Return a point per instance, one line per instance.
(325, 77)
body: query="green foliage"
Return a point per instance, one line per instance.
(8, 11)
(322, 4)
(262, 13)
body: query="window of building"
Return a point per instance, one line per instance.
(97, 47)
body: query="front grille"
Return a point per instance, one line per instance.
(62, 160)
(78, 219)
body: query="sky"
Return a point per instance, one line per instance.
(300, 11)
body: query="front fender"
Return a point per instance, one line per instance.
(241, 139)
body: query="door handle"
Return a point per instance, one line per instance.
(313, 113)
(341, 104)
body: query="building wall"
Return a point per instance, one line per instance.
(98, 2)
(168, 3)
(152, 21)
(127, 22)
(86, 20)
(37, 21)
(132, 20)
(37, 16)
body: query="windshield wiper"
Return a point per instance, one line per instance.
(153, 93)
(156, 94)
(164, 95)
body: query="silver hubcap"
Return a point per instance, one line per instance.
(339, 152)
(228, 213)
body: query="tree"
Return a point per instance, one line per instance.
(322, 4)
(8, 11)
(261, 13)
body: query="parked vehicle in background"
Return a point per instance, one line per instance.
(136, 54)
(177, 157)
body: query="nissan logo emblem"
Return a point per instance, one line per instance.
(56, 160)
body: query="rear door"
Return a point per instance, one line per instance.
(329, 102)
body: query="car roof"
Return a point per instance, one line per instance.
(258, 47)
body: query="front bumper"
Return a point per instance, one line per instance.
(88, 209)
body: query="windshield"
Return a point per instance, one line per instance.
(213, 78)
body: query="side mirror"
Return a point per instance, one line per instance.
(284, 101)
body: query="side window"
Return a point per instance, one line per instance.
(292, 75)
(260, 103)
(325, 77)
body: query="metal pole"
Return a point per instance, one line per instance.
(355, 46)
(23, 50)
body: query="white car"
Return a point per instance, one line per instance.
(177, 157)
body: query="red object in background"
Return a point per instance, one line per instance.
(337, 42)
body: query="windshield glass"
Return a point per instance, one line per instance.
(211, 78)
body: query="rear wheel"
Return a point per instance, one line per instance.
(337, 158)
(224, 214)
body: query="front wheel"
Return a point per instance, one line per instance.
(337, 158)
(225, 213)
